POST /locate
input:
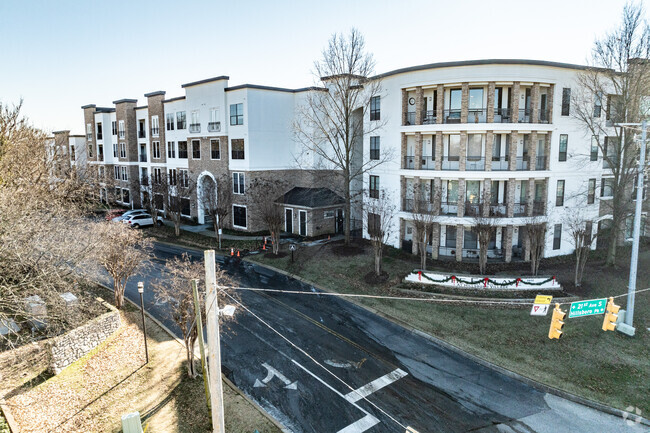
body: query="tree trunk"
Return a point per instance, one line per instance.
(378, 261)
(611, 248)
(177, 227)
(423, 255)
(348, 206)
(118, 292)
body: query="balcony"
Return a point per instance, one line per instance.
(541, 163)
(500, 163)
(195, 127)
(143, 157)
(142, 133)
(428, 163)
(498, 210)
(502, 115)
(410, 118)
(475, 163)
(522, 163)
(472, 209)
(451, 116)
(429, 118)
(525, 115)
(450, 162)
(409, 162)
(419, 206)
(449, 208)
(477, 115)
(519, 209)
(538, 208)
(544, 116)
(214, 126)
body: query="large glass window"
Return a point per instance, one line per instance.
(474, 147)
(473, 191)
(607, 187)
(452, 191)
(180, 120)
(450, 237)
(453, 147)
(471, 241)
(182, 149)
(169, 121)
(455, 98)
(215, 152)
(374, 147)
(475, 99)
(237, 114)
(591, 191)
(237, 148)
(564, 142)
(557, 236)
(171, 150)
(559, 193)
(239, 216)
(375, 108)
(594, 148)
(238, 183)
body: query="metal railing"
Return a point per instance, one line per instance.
(450, 162)
(522, 163)
(544, 116)
(451, 116)
(420, 206)
(502, 115)
(237, 154)
(142, 134)
(428, 163)
(143, 158)
(541, 162)
(500, 163)
(473, 209)
(214, 126)
(195, 127)
(538, 208)
(468, 253)
(429, 118)
(498, 210)
(449, 208)
(525, 115)
(519, 209)
(475, 163)
(410, 118)
(409, 162)
(477, 115)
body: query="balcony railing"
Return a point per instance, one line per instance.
(410, 118)
(214, 126)
(195, 127)
(544, 116)
(451, 116)
(522, 163)
(472, 209)
(500, 163)
(237, 154)
(538, 208)
(409, 162)
(477, 115)
(429, 118)
(541, 162)
(493, 253)
(155, 131)
(525, 115)
(450, 162)
(519, 209)
(498, 210)
(420, 206)
(502, 115)
(142, 134)
(475, 163)
(428, 163)
(449, 207)
(143, 158)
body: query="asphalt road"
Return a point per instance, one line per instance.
(344, 369)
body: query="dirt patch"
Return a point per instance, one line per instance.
(374, 279)
(348, 250)
(279, 255)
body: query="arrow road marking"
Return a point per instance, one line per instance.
(375, 385)
(272, 372)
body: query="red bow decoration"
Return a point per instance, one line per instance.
(453, 279)
(485, 281)
(518, 281)
(420, 275)
(553, 283)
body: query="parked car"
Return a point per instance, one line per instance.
(141, 220)
(114, 213)
(128, 214)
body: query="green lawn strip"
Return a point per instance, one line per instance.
(603, 366)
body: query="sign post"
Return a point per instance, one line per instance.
(292, 247)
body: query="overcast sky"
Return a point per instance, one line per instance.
(59, 55)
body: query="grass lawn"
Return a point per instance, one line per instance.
(607, 367)
(194, 240)
(112, 380)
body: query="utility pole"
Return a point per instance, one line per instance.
(144, 324)
(199, 329)
(214, 344)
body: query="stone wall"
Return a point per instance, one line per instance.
(69, 347)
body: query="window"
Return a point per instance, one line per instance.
(474, 147)
(122, 130)
(598, 104)
(124, 173)
(144, 176)
(89, 131)
(594, 148)
(214, 149)
(214, 125)
(238, 183)
(475, 99)
(450, 237)
(116, 172)
(126, 198)
(239, 216)
(629, 226)
(156, 149)
(374, 186)
(182, 149)
(606, 187)
(452, 191)
(118, 194)
(470, 240)
(114, 127)
(557, 236)
(171, 150)
(559, 193)
(453, 147)
(172, 177)
(184, 178)
(158, 202)
(72, 153)
(636, 188)
(100, 151)
(237, 114)
(196, 149)
(157, 175)
(374, 224)
(591, 191)
(122, 150)
(185, 207)
(141, 129)
(374, 147)
(155, 127)
(100, 132)
(566, 101)
(114, 150)
(169, 121)
(180, 120)
(195, 124)
(612, 146)
(100, 171)
(564, 140)
(90, 150)
(375, 108)
(237, 148)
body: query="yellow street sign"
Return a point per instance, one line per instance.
(543, 299)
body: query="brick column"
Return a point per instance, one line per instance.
(547, 150)
(419, 105)
(489, 143)
(507, 244)
(441, 103)
(532, 151)
(510, 198)
(439, 150)
(461, 198)
(460, 237)
(515, 102)
(485, 198)
(464, 103)
(403, 137)
(418, 150)
(512, 155)
(437, 194)
(463, 151)
(435, 240)
(405, 104)
(530, 198)
(545, 195)
(402, 233)
(403, 192)
(549, 102)
(526, 245)
(535, 102)
(490, 102)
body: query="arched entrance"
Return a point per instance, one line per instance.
(206, 194)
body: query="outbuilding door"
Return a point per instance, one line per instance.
(303, 222)
(288, 220)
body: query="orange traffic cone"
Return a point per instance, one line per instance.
(264, 247)
(328, 237)
(238, 253)
(232, 251)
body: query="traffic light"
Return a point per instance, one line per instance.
(611, 314)
(555, 331)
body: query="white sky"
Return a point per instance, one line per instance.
(60, 55)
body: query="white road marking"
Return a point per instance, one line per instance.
(375, 385)
(360, 426)
(272, 372)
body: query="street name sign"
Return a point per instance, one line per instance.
(540, 307)
(587, 308)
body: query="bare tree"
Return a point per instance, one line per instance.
(122, 253)
(484, 228)
(380, 212)
(217, 201)
(155, 191)
(535, 230)
(180, 188)
(580, 228)
(330, 123)
(425, 208)
(265, 193)
(620, 77)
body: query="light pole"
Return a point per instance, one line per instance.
(144, 324)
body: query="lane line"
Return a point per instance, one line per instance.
(375, 385)
(360, 426)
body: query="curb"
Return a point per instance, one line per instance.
(509, 373)
(223, 378)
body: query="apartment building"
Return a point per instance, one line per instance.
(67, 151)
